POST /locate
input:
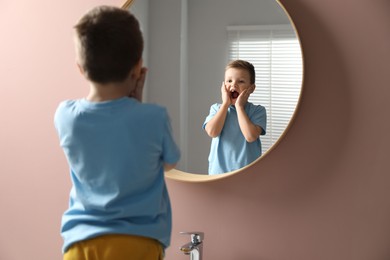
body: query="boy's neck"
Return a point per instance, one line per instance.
(106, 92)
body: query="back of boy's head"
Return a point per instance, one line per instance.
(244, 65)
(109, 44)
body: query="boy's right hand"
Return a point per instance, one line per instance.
(226, 99)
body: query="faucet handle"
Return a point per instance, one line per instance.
(196, 236)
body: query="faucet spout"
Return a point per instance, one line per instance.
(194, 248)
(187, 248)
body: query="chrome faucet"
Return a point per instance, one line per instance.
(194, 248)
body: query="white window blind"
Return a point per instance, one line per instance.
(276, 55)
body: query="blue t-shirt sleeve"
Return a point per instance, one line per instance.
(258, 117)
(59, 115)
(213, 110)
(171, 152)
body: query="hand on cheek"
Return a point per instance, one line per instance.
(225, 94)
(242, 98)
(138, 85)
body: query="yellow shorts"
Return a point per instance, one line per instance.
(115, 247)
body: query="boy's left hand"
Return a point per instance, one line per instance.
(243, 98)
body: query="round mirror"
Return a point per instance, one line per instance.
(188, 44)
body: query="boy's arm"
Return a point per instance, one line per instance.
(215, 125)
(139, 85)
(168, 167)
(170, 151)
(250, 131)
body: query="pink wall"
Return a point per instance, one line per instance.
(37, 70)
(321, 194)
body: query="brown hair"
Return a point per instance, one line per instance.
(110, 43)
(244, 65)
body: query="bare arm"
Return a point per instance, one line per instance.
(215, 125)
(168, 167)
(250, 131)
(139, 86)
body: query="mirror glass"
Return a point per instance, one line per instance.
(188, 43)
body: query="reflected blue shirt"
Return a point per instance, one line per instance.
(230, 151)
(116, 152)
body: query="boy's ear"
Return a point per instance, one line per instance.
(253, 87)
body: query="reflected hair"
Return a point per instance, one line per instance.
(109, 44)
(244, 65)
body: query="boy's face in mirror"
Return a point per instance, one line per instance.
(236, 81)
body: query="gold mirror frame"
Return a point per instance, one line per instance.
(178, 175)
(127, 4)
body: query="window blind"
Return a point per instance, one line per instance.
(275, 53)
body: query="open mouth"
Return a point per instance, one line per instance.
(234, 94)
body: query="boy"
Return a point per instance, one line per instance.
(236, 124)
(116, 147)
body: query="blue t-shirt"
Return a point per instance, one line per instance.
(230, 151)
(116, 152)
